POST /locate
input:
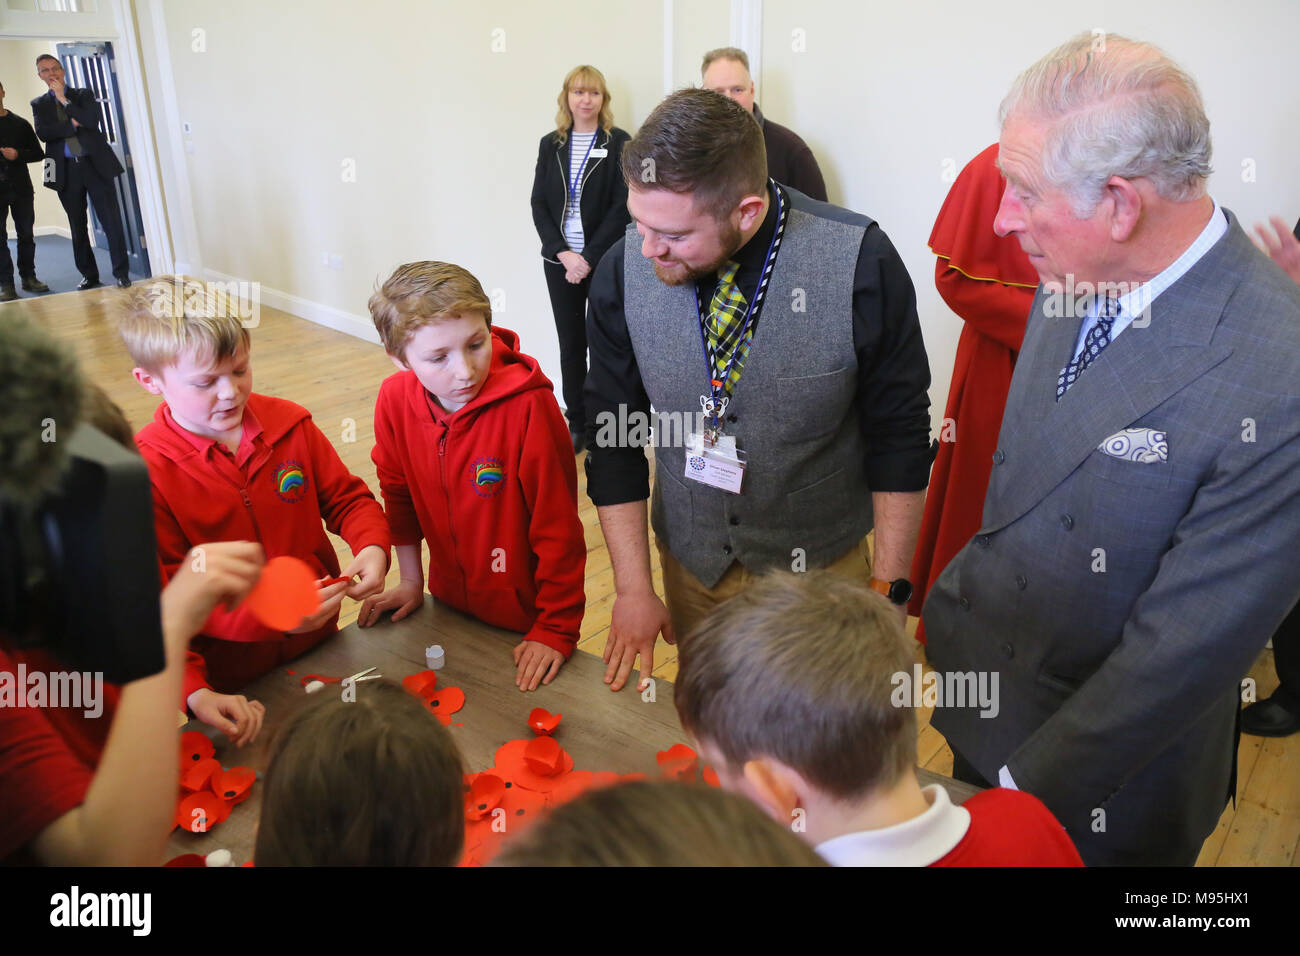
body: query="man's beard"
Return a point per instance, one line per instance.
(729, 238)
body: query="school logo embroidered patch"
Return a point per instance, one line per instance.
(488, 475)
(290, 481)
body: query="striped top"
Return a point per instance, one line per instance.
(579, 145)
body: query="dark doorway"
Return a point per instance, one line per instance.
(91, 66)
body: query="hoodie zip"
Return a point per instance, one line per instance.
(446, 497)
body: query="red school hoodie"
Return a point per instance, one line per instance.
(493, 488)
(285, 482)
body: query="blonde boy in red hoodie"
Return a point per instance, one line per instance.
(474, 457)
(228, 464)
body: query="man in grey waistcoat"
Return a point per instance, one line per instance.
(1138, 538)
(777, 339)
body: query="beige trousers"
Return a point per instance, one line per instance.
(689, 601)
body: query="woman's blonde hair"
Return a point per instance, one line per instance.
(586, 76)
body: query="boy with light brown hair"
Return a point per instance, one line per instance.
(228, 464)
(474, 457)
(790, 690)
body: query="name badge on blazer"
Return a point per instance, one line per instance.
(1144, 445)
(599, 153)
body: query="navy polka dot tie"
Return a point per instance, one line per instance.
(1098, 338)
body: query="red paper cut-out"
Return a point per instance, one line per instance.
(484, 838)
(678, 762)
(330, 582)
(485, 794)
(443, 703)
(187, 859)
(284, 594)
(544, 756)
(511, 761)
(195, 746)
(543, 721)
(234, 784)
(214, 811)
(421, 684)
(196, 775)
(711, 777)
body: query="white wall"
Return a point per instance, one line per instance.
(444, 130)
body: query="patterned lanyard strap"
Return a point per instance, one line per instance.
(715, 404)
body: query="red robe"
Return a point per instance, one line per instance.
(988, 281)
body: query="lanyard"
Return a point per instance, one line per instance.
(568, 173)
(715, 404)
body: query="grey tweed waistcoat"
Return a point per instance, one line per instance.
(804, 500)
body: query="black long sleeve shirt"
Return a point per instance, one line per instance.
(893, 370)
(17, 133)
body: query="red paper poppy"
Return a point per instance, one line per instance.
(543, 721)
(511, 762)
(544, 756)
(711, 777)
(518, 810)
(421, 684)
(485, 794)
(678, 762)
(443, 703)
(195, 746)
(187, 859)
(234, 784)
(201, 811)
(196, 775)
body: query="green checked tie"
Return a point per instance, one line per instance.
(725, 325)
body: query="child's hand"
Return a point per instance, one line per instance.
(408, 596)
(235, 715)
(369, 565)
(210, 574)
(330, 598)
(535, 659)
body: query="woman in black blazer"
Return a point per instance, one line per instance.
(580, 210)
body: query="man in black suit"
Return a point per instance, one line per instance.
(18, 147)
(79, 162)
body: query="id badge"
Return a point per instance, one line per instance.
(721, 466)
(599, 153)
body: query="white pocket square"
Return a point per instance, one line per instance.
(1145, 445)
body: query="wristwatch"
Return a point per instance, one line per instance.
(899, 592)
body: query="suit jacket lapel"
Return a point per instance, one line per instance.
(1044, 440)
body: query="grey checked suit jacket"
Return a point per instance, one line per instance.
(1121, 603)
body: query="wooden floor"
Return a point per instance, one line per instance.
(337, 377)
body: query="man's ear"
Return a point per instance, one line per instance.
(149, 381)
(1126, 206)
(750, 208)
(774, 785)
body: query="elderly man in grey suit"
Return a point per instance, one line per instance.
(1138, 537)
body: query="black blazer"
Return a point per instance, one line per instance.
(29, 151)
(603, 199)
(83, 108)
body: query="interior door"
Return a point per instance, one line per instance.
(91, 66)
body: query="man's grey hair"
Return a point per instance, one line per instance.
(724, 53)
(1114, 107)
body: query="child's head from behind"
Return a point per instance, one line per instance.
(434, 318)
(657, 823)
(788, 687)
(191, 351)
(371, 782)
